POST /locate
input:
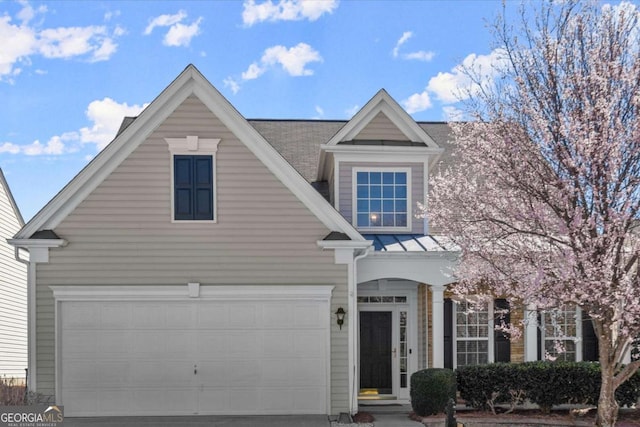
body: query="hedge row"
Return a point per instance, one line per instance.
(543, 383)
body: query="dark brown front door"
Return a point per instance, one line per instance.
(375, 351)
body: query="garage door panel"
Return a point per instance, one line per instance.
(215, 372)
(310, 343)
(244, 315)
(276, 315)
(244, 342)
(79, 373)
(249, 357)
(114, 315)
(212, 315)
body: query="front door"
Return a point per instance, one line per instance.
(375, 342)
(385, 352)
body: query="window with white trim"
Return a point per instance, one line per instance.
(560, 334)
(381, 198)
(193, 184)
(473, 334)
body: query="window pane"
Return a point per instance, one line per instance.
(401, 192)
(363, 192)
(401, 206)
(375, 192)
(375, 177)
(401, 220)
(363, 220)
(387, 206)
(374, 219)
(401, 177)
(376, 206)
(387, 191)
(362, 177)
(387, 220)
(363, 206)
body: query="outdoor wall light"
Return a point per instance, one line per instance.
(340, 315)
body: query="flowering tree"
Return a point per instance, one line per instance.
(544, 197)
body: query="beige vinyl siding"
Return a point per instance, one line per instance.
(13, 294)
(122, 234)
(417, 189)
(381, 128)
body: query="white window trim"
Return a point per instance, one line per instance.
(354, 198)
(193, 146)
(577, 339)
(490, 339)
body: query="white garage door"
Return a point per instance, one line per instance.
(194, 356)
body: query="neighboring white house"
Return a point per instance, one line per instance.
(202, 263)
(13, 291)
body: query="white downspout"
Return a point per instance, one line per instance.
(31, 321)
(354, 329)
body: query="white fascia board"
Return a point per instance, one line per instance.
(425, 255)
(37, 243)
(344, 244)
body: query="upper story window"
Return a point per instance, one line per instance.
(382, 198)
(193, 183)
(193, 187)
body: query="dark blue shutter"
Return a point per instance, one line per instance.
(502, 344)
(589, 340)
(448, 333)
(193, 187)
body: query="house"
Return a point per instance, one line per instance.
(204, 263)
(13, 291)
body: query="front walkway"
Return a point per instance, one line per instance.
(202, 421)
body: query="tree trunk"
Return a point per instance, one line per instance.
(607, 405)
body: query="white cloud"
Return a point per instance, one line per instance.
(352, 111)
(286, 10)
(293, 61)
(454, 86)
(420, 55)
(232, 84)
(253, 72)
(320, 111)
(22, 41)
(8, 147)
(417, 102)
(164, 21)
(405, 36)
(452, 114)
(179, 34)
(106, 115)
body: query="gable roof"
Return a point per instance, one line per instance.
(382, 102)
(189, 82)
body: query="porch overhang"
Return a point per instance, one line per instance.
(431, 268)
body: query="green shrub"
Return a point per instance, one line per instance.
(543, 383)
(431, 389)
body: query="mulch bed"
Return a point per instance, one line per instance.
(560, 417)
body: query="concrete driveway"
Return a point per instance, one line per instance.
(202, 421)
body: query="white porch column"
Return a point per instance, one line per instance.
(531, 334)
(437, 325)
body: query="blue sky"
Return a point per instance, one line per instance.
(70, 70)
